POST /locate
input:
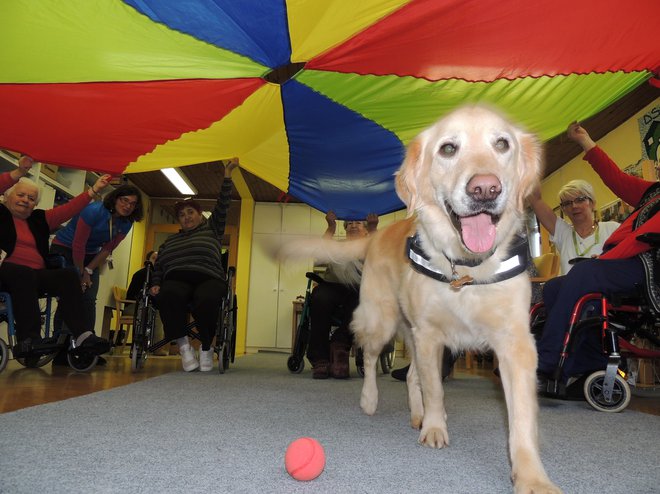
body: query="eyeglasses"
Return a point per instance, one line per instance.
(127, 202)
(576, 201)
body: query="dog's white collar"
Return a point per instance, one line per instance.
(513, 265)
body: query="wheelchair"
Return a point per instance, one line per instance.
(51, 345)
(622, 321)
(296, 361)
(145, 317)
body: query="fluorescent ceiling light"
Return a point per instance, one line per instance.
(180, 181)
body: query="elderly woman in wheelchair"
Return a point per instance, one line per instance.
(622, 267)
(332, 304)
(24, 235)
(189, 277)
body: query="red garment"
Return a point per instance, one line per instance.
(5, 182)
(623, 242)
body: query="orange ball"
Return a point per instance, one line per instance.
(304, 459)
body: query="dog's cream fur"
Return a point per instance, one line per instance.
(445, 169)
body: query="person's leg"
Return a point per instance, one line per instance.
(22, 284)
(89, 300)
(58, 323)
(205, 308)
(172, 302)
(324, 299)
(606, 276)
(342, 339)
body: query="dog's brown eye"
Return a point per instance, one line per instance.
(448, 149)
(502, 144)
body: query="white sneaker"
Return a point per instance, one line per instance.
(188, 358)
(205, 360)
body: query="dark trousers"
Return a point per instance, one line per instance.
(560, 296)
(186, 291)
(88, 304)
(26, 285)
(325, 302)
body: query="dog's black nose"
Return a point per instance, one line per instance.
(484, 187)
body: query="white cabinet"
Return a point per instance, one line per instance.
(274, 286)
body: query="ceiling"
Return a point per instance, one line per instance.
(207, 177)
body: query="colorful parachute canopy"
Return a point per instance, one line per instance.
(317, 97)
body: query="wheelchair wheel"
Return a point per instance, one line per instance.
(4, 354)
(593, 392)
(296, 361)
(387, 358)
(295, 365)
(81, 361)
(226, 356)
(359, 361)
(34, 361)
(138, 356)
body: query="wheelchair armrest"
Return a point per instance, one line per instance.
(314, 277)
(651, 238)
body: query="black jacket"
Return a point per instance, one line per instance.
(37, 224)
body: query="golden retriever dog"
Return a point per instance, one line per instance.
(453, 274)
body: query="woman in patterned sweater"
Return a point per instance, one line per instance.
(189, 277)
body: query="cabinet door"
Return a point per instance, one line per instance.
(295, 219)
(292, 282)
(263, 295)
(267, 217)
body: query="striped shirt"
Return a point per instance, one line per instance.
(199, 249)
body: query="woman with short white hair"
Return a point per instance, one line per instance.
(583, 237)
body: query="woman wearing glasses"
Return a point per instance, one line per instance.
(88, 240)
(189, 276)
(618, 269)
(583, 237)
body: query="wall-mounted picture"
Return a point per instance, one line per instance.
(615, 211)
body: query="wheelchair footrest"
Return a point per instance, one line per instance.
(46, 346)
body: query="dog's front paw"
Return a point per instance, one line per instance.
(434, 437)
(368, 404)
(538, 486)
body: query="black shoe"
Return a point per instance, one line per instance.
(541, 382)
(94, 344)
(400, 374)
(23, 348)
(60, 359)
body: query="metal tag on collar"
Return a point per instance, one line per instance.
(458, 282)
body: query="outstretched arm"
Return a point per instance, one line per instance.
(219, 217)
(372, 223)
(10, 178)
(331, 220)
(543, 212)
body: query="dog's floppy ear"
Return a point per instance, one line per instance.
(530, 165)
(406, 178)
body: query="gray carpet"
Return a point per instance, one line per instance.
(189, 433)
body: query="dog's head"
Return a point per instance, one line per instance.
(473, 170)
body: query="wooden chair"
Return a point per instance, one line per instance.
(547, 266)
(120, 319)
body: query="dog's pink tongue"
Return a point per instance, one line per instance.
(478, 232)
